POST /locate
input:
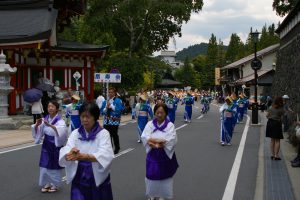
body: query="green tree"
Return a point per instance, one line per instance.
(188, 75)
(283, 7)
(139, 26)
(235, 49)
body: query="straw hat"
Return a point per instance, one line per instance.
(76, 97)
(285, 96)
(143, 97)
(229, 98)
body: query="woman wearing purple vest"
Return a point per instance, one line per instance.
(159, 138)
(54, 131)
(87, 157)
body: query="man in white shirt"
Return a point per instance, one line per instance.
(99, 101)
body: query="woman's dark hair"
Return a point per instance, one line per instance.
(164, 106)
(54, 103)
(278, 102)
(92, 108)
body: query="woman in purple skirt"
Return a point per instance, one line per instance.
(87, 157)
(159, 138)
(52, 129)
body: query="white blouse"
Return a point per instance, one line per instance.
(169, 135)
(100, 147)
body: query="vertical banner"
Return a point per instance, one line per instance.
(217, 75)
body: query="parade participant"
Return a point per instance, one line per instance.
(159, 138)
(227, 111)
(188, 101)
(67, 97)
(143, 111)
(112, 117)
(54, 131)
(37, 110)
(171, 103)
(72, 112)
(241, 104)
(87, 157)
(234, 101)
(274, 127)
(204, 101)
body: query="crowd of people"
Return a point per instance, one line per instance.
(75, 141)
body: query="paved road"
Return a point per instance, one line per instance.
(205, 166)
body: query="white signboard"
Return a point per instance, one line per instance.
(77, 75)
(107, 78)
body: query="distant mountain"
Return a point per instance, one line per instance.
(192, 51)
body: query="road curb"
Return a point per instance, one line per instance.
(16, 144)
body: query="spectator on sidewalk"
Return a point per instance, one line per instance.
(296, 161)
(37, 110)
(159, 138)
(52, 129)
(274, 126)
(87, 157)
(100, 101)
(287, 110)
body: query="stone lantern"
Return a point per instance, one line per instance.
(5, 88)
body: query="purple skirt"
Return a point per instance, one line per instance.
(49, 154)
(159, 166)
(84, 186)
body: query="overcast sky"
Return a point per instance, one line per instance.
(224, 17)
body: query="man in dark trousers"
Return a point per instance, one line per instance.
(112, 117)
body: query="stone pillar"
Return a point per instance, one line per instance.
(5, 88)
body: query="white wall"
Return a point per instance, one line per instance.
(267, 64)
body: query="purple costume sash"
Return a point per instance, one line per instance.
(158, 165)
(50, 153)
(92, 135)
(84, 186)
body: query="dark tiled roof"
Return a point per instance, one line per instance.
(23, 4)
(26, 25)
(76, 46)
(289, 17)
(246, 59)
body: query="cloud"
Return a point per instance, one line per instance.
(224, 17)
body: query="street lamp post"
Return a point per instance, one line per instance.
(255, 65)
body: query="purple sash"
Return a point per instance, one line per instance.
(92, 135)
(161, 128)
(56, 119)
(84, 186)
(159, 166)
(49, 154)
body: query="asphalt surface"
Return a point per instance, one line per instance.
(205, 165)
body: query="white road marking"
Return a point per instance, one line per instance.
(231, 183)
(180, 127)
(200, 116)
(124, 152)
(63, 178)
(19, 148)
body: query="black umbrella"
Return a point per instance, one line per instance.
(45, 87)
(32, 95)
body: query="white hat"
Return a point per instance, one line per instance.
(285, 96)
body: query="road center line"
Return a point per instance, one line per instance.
(200, 117)
(180, 127)
(231, 183)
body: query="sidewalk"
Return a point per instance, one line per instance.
(10, 138)
(280, 180)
